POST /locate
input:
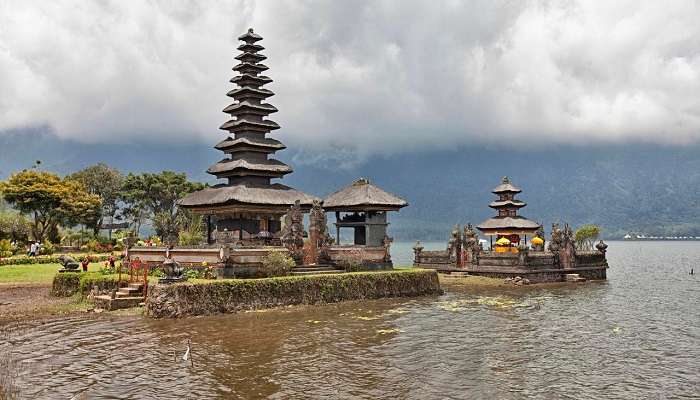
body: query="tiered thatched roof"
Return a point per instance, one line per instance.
(248, 146)
(248, 167)
(275, 195)
(508, 221)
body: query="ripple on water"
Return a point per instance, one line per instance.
(635, 336)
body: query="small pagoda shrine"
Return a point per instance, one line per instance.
(248, 206)
(508, 227)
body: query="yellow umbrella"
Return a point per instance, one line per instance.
(503, 241)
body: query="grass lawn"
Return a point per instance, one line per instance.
(38, 274)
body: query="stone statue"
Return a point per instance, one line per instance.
(602, 246)
(293, 232)
(472, 247)
(386, 242)
(69, 264)
(454, 245)
(523, 252)
(567, 250)
(557, 240)
(318, 220)
(318, 233)
(417, 250)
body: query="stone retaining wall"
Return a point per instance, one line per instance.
(230, 296)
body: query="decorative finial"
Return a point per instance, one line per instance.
(505, 180)
(250, 30)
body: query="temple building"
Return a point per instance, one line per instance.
(508, 224)
(247, 206)
(363, 208)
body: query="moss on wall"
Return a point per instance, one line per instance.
(69, 283)
(234, 295)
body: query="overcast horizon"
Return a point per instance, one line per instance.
(360, 79)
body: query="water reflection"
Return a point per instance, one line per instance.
(635, 336)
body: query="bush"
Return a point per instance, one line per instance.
(69, 283)
(353, 261)
(6, 248)
(47, 248)
(186, 238)
(277, 263)
(99, 283)
(65, 284)
(586, 235)
(44, 260)
(200, 272)
(92, 245)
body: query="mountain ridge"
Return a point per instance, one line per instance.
(623, 188)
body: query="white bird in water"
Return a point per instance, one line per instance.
(187, 353)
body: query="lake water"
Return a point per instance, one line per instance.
(636, 336)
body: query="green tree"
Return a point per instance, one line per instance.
(106, 182)
(49, 199)
(155, 196)
(14, 226)
(586, 236)
(191, 228)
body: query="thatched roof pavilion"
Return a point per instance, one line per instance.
(248, 203)
(365, 206)
(362, 195)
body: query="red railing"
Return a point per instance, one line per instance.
(138, 272)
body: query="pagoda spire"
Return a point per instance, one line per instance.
(247, 146)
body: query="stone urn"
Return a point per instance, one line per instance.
(173, 272)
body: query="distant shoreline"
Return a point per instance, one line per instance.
(661, 240)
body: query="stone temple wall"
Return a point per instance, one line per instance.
(540, 266)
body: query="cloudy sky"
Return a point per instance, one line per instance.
(358, 78)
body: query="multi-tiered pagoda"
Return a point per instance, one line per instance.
(248, 204)
(508, 223)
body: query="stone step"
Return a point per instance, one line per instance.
(574, 278)
(321, 272)
(122, 295)
(108, 303)
(136, 285)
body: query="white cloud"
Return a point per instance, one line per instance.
(362, 77)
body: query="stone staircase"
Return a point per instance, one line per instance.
(125, 297)
(315, 269)
(574, 278)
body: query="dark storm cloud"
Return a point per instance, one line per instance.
(359, 77)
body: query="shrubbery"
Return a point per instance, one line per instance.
(45, 260)
(6, 248)
(69, 283)
(47, 248)
(353, 261)
(277, 263)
